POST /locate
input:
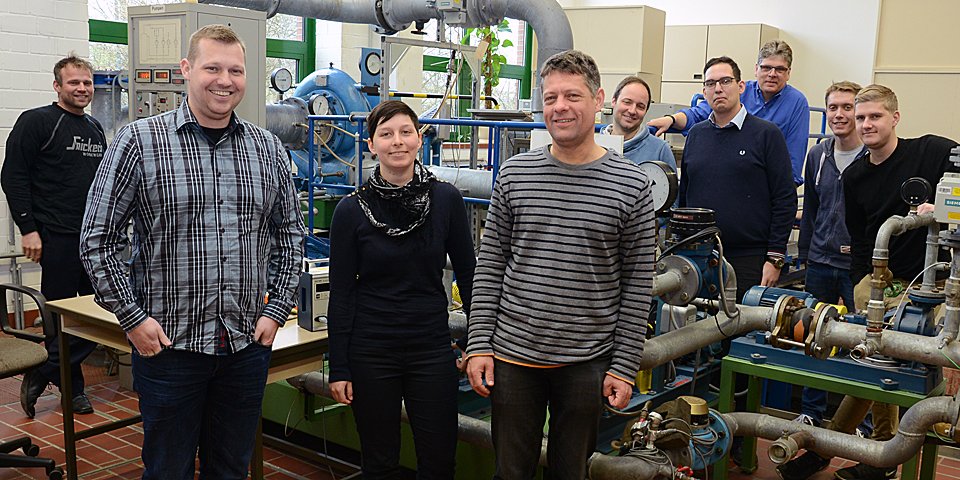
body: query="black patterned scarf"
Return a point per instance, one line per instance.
(397, 210)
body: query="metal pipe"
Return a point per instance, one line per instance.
(930, 256)
(904, 346)
(666, 282)
(604, 467)
(554, 35)
(546, 17)
(471, 183)
(677, 343)
(286, 120)
(951, 317)
(894, 225)
(908, 440)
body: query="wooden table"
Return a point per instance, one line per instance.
(295, 351)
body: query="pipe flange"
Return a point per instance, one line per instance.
(273, 8)
(950, 238)
(689, 279)
(384, 27)
(825, 313)
(936, 295)
(301, 105)
(783, 309)
(483, 12)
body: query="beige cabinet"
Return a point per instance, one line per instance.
(623, 40)
(687, 48)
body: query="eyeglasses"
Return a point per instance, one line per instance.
(780, 69)
(724, 82)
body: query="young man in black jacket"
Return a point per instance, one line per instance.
(52, 155)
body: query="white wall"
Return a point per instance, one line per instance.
(34, 34)
(831, 40)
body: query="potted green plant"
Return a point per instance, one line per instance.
(493, 60)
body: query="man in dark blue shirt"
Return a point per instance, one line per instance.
(737, 165)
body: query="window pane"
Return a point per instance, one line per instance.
(116, 10)
(508, 93)
(108, 56)
(274, 63)
(285, 27)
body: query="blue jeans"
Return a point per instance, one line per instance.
(426, 381)
(520, 399)
(829, 285)
(192, 400)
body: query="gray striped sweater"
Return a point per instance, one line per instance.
(565, 271)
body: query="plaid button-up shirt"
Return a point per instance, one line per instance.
(215, 228)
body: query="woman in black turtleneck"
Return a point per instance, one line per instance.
(389, 339)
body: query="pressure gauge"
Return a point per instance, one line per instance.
(281, 80)
(319, 105)
(915, 191)
(373, 63)
(663, 185)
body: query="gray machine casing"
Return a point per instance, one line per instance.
(159, 36)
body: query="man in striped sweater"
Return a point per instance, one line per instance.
(563, 284)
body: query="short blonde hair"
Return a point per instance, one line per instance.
(844, 86)
(219, 33)
(878, 93)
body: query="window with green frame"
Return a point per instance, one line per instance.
(295, 48)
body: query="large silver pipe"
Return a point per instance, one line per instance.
(346, 11)
(469, 429)
(471, 183)
(287, 120)
(677, 343)
(904, 346)
(546, 17)
(554, 35)
(906, 443)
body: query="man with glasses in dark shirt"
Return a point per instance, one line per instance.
(748, 156)
(768, 97)
(217, 229)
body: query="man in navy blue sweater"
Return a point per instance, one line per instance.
(738, 165)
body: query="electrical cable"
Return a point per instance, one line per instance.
(909, 285)
(706, 232)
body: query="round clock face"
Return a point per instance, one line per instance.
(281, 80)
(373, 63)
(663, 184)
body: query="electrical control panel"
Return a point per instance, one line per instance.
(160, 37)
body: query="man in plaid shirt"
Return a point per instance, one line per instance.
(217, 227)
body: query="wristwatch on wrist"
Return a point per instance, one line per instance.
(777, 262)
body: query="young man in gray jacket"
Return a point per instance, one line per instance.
(825, 243)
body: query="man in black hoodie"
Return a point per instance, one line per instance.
(52, 154)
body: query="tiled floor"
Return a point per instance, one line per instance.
(116, 455)
(113, 455)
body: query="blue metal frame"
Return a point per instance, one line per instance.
(493, 149)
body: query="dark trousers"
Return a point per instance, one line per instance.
(426, 381)
(192, 401)
(64, 277)
(828, 284)
(520, 400)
